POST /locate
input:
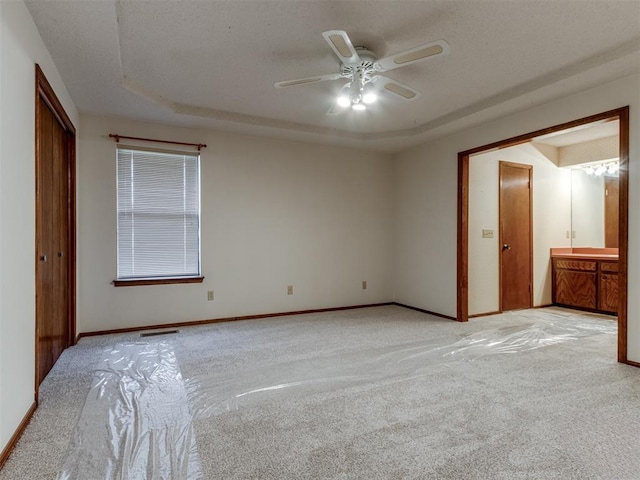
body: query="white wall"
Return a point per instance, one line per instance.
(274, 213)
(551, 220)
(20, 48)
(426, 196)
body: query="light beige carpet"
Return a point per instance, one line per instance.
(381, 392)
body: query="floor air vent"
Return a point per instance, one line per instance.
(153, 334)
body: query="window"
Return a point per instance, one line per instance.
(158, 215)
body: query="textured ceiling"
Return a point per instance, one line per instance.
(581, 134)
(213, 63)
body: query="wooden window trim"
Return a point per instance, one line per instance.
(169, 275)
(136, 282)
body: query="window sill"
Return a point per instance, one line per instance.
(134, 282)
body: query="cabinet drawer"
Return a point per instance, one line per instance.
(582, 265)
(609, 267)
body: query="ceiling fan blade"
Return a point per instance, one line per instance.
(304, 81)
(392, 86)
(416, 54)
(339, 41)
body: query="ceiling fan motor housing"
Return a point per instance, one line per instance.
(366, 54)
(360, 73)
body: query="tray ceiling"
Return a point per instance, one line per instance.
(213, 63)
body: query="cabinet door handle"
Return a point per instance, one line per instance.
(43, 258)
(506, 246)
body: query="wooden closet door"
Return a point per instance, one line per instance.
(52, 240)
(55, 242)
(60, 240)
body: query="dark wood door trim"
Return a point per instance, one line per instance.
(45, 93)
(462, 299)
(623, 234)
(500, 234)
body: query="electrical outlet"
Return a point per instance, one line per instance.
(210, 295)
(568, 234)
(290, 290)
(364, 284)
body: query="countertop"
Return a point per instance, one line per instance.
(610, 254)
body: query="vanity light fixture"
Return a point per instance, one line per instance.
(610, 168)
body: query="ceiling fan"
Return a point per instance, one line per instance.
(362, 69)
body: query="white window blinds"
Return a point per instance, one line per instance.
(158, 214)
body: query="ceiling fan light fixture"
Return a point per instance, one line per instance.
(369, 98)
(343, 101)
(361, 68)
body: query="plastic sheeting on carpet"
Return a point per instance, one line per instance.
(136, 422)
(531, 329)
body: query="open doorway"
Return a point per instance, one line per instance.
(466, 294)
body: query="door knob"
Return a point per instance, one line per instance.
(506, 246)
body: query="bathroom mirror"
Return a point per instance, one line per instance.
(594, 209)
(592, 154)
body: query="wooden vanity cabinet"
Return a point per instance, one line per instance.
(575, 282)
(587, 284)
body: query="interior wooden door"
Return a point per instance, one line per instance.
(55, 230)
(516, 245)
(60, 240)
(52, 328)
(611, 216)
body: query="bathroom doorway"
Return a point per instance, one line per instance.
(463, 294)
